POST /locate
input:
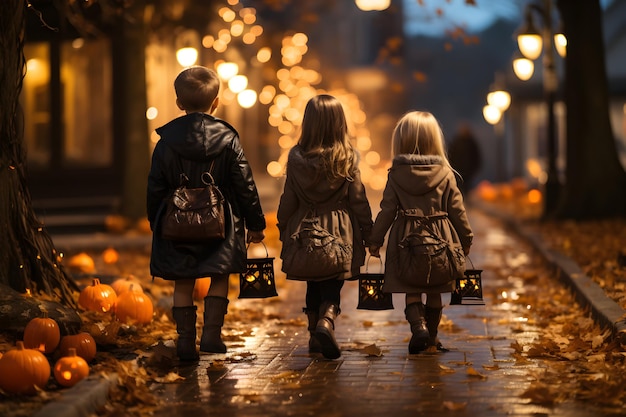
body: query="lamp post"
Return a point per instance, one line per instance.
(498, 101)
(530, 42)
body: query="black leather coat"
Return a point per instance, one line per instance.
(192, 142)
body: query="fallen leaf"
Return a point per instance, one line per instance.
(474, 373)
(452, 406)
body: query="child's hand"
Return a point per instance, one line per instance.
(255, 236)
(374, 251)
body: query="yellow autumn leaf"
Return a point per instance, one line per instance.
(453, 406)
(474, 373)
(446, 369)
(373, 350)
(170, 377)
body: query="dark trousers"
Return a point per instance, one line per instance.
(319, 291)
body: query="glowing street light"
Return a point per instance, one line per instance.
(372, 5)
(187, 56)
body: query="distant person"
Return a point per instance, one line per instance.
(195, 143)
(324, 184)
(465, 157)
(424, 208)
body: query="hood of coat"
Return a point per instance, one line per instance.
(418, 174)
(197, 136)
(311, 181)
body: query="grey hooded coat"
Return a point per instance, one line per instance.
(341, 205)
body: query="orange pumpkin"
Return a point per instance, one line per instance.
(122, 285)
(22, 370)
(82, 263)
(133, 306)
(97, 297)
(115, 223)
(83, 343)
(110, 256)
(42, 333)
(201, 288)
(143, 226)
(70, 369)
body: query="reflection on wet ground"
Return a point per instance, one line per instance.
(268, 370)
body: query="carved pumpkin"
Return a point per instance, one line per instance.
(133, 306)
(201, 288)
(81, 263)
(23, 370)
(70, 369)
(97, 297)
(83, 343)
(122, 285)
(43, 334)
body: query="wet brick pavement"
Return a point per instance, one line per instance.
(272, 373)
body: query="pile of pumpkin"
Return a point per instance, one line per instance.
(26, 368)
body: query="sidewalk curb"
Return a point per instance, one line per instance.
(604, 310)
(81, 400)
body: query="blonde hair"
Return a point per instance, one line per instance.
(419, 133)
(197, 88)
(325, 134)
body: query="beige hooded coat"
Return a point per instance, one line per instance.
(423, 184)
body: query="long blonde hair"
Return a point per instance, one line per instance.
(419, 133)
(325, 134)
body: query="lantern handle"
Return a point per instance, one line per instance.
(470, 261)
(267, 254)
(367, 262)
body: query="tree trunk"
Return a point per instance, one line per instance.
(28, 260)
(129, 44)
(595, 180)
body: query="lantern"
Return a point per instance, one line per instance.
(371, 295)
(468, 289)
(70, 369)
(97, 297)
(258, 280)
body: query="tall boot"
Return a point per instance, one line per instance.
(325, 330)
(313, 317)
(414, 313)
(215, 309)
(433, 318)
(185, 318)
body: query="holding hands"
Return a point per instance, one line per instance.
(255, 236)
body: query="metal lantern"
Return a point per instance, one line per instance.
(469, 289)
(258, 280)
(371, 295)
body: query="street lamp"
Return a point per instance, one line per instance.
(531, 42)
(376, 5)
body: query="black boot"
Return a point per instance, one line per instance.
(215, 309)
(414, 313)
(185, 318)
(325, 330)
(433, 318)
(313, 317)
